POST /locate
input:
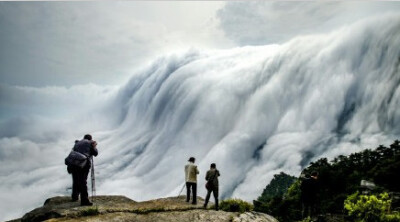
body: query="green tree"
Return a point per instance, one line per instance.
(277, 187)
(337, 180)
(370, 208)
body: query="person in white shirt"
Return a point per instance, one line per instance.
(191, 172)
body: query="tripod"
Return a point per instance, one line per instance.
(92, 175)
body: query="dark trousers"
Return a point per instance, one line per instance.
(193, 187)
(309, 209)
(214, 190)
(79, 184)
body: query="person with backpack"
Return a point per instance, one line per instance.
(79, 167)
(212, 185)
(191, 172)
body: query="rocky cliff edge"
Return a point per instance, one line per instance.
(120, 208)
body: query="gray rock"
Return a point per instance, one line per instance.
(120, 208)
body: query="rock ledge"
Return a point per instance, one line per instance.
(120, 208)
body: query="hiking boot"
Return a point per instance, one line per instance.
(74, 197)
(87, 203)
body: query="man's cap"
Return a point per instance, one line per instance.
(191, 159)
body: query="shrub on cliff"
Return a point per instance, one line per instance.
(235, 205)
(90, 211)
(370, 208)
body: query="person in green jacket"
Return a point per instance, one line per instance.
(212, 184)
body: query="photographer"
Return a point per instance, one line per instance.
(87, 147)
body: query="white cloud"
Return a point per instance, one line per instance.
(266, 22)
(54, 110)
(69, 43)
(254, 111)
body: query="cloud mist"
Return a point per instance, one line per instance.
(269, 22)
(254, 111)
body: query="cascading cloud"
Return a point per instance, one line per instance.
(254, 111)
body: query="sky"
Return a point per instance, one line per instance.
(159, 81)
(71, 43)
(67, 43)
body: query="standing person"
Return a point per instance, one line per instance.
(87, 147)
(212, 185)
(309, 189)
(191, 172)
